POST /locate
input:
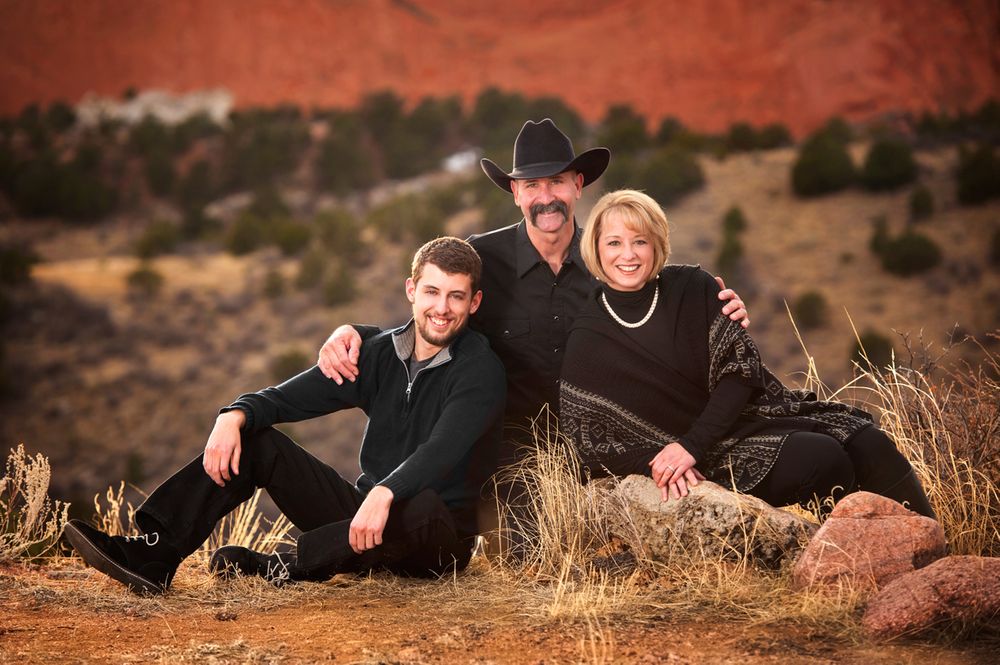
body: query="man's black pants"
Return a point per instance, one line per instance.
(420, 536)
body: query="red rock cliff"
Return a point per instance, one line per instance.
(710, 63)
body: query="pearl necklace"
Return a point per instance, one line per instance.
(652, 306)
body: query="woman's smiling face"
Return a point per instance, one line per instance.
(626, 255)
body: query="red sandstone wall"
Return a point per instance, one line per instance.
(708, 62)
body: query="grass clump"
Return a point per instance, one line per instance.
(30, 522)
(145, 280)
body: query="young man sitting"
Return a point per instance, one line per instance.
(434, 395)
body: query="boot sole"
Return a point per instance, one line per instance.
(96, 558)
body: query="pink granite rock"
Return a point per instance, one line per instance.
(867, 541)
(954, 591)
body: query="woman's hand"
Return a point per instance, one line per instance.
(674, 472)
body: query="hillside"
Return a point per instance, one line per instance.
(113, 384)
(708, 64)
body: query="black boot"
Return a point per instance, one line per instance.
(909, 492)
(278, 568)
(145, 564)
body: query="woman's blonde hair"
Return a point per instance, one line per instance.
(641, 214)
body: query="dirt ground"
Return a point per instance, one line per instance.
(70, 614)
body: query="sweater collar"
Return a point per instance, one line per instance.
(404, 339)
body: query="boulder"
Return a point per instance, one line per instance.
(953, 592)
(867, 541)
(711, 522)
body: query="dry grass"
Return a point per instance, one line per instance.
(30, 523)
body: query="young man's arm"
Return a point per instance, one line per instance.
(338, 357)
(304, 396)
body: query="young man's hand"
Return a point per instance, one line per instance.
(369, 521)
(338, 358)
(222, 452)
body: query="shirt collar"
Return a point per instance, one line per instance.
(527, 256)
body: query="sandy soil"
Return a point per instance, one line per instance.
(44, 619)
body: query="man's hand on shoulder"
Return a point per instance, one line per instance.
(369, 521)
(338, 358)
(222, 452)
(735, 309)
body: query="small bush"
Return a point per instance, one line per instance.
(823, 166)
(288, 364)
(15, 263)
(909, 254)
(773, 136)
(876, 347)
(160, 237)
(742, 137)
(730, 253)
(312, 267)
(274, 285)
(734, 221)
(810, 310)
(888, 165)
(197, 126)
(344, 164)
(196, 224)
(268, 204)
(160, 173)
(291, 237)
(622, 130)
(670, 128)
(247, 234)
(60, 116)
(145, 280)
(837, 130)
(149, 136)
(339, 288)
(411, 216)
(669, 175)
(340, 232)
(978, 175)
(921, 203)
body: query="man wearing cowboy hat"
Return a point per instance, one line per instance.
(534, 279)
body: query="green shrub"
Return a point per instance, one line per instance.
(339, 230)
(409, 216)
(247, 234)
(742, 137)
(876, 347)
(197, 188)
(670, 174)
(622, 130)
(145, 280)
(339, 287)
(274, 284)
(268, 204)
(670, 128)
(888, 165)
(290, 236)
(262, 147)
(197, 126)
(289, 363)
(198, 225)
(160, 237)
(734, 221)
(496, 118)
(773, 136)
(60, 116)
(344, 164)
(312, 268)
(978, 175)
(810, 310)
(837, 130)
(730, 253)
(909, 254)
(149, 136)
(160, 173)
(16, 261)
(823, 166)
(880, 234)
(921, 203)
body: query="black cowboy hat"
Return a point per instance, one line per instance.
(541, 150)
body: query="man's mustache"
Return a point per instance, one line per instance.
(543, 208)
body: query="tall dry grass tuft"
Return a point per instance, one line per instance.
(30, 522)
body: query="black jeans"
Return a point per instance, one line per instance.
(420, 536)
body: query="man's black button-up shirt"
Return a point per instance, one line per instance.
(526, 314)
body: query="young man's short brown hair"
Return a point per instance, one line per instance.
(452, 255)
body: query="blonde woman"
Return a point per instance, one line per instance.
(657, 381)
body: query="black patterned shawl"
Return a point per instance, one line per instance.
(620, 401)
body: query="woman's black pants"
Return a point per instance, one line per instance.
(420, 537)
